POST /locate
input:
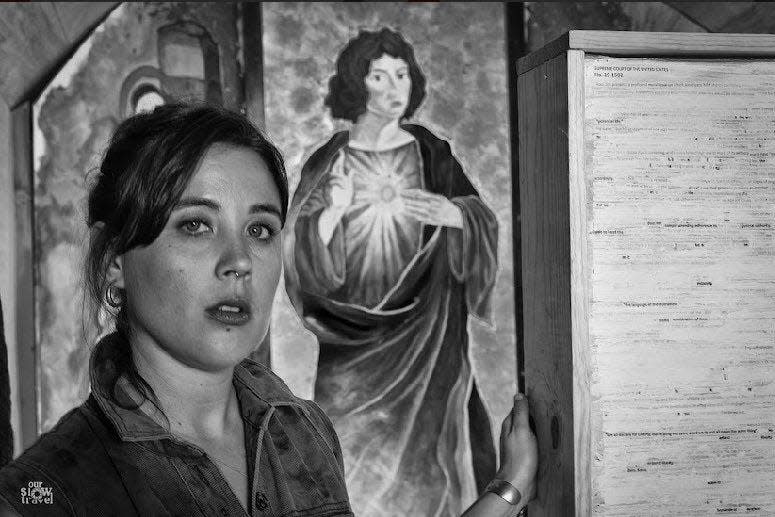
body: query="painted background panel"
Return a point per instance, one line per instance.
(461, 49)
(73, 120)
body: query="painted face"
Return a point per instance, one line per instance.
(389, 85)
(203, 290)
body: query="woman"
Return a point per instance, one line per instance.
(392, 250)
(185, 249)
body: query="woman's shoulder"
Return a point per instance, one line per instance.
(264, 381)
(71, 432)
(50, 469)
(274, 390)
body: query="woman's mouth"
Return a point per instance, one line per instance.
(230, 312)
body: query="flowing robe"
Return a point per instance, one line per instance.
(394, 375)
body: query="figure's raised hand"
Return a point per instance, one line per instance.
(519, 449)
(430, 208)
(340, 191)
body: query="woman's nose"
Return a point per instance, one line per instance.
(235, 259)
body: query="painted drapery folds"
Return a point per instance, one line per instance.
(397, 247)
(393, 370)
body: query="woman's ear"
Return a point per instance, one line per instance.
(115, 272)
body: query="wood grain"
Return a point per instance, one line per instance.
(8, 261)
(26, 349)
(546, 273)
(631, 43)
(580, 286)
(36, 37)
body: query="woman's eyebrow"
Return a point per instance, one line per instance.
(197, 201)
(263, 208)
(258, 208)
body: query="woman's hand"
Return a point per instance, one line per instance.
(432, 209)
(519, 465)
(519, 450)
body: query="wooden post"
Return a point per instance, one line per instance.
(26, 342)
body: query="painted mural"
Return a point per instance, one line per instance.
(397, 256)
(143, 55)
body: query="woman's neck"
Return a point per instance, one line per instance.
(197, 404)
(375, 132)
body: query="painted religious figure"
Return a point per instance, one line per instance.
(390, 251)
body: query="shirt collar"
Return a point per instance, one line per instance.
(136, 418)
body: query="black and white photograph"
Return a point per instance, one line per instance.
(387, 259)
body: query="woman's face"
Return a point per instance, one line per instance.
(389, 85)
(202, 291)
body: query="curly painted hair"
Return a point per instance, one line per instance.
(347, 94)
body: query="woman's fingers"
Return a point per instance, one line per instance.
(507, 424)
(519, 448)
(521, 412)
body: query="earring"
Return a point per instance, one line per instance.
(114, 296)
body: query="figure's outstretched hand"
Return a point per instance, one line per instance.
(430, 208)
(519, 449)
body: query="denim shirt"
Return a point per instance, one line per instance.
(109, 458)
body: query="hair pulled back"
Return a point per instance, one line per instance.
(149, 162)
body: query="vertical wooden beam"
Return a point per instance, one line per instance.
(253, 49)
(546, 276)
(580, 287)
(8, 265)
(26, 340)
(515, 49)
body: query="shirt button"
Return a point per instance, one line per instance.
(261, 502)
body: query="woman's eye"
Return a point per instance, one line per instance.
(261, 232)
(194, 227)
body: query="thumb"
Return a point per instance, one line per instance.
(521, 411)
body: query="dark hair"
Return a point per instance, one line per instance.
(149, 162)
(347, 94)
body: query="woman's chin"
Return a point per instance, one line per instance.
(220, 358)
(222, 352)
